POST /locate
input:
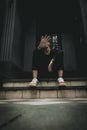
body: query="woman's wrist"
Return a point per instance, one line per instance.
(52, 60)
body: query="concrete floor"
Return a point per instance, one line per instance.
(43, 114)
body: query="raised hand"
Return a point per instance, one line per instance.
(44, 42)
(46, 38)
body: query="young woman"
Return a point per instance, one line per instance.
(47, 63)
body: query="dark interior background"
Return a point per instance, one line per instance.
(36, 18)
(49, 17)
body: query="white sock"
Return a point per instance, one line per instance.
(35, 80)
(60, 79)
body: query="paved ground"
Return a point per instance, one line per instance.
(43, 114)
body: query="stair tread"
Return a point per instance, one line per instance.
(45, 84)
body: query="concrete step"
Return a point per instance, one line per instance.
(21, 90)
(44, 84)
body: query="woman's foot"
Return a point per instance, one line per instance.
(33, 82)
(61, 82)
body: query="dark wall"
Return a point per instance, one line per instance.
(2, 18)
(70, 59)
(83, 6)
(81, 37)
(18, 43)
(30, 42)
(27, 14)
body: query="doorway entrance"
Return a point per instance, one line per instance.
(51, 17)
(64, 18)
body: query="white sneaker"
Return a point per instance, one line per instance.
(61, 82)
(33, 82)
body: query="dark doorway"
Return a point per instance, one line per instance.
(49, 17)
(64, 17)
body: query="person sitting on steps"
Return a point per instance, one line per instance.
(47, 62)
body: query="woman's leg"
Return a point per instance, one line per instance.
(60, 73)
(34, 69)
(58, 66)
(35, 73)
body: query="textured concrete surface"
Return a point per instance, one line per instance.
(38, 94)
(54, 114)
(21, 90)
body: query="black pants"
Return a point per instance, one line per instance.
(41, 61)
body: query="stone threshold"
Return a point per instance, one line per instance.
(45, 84)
